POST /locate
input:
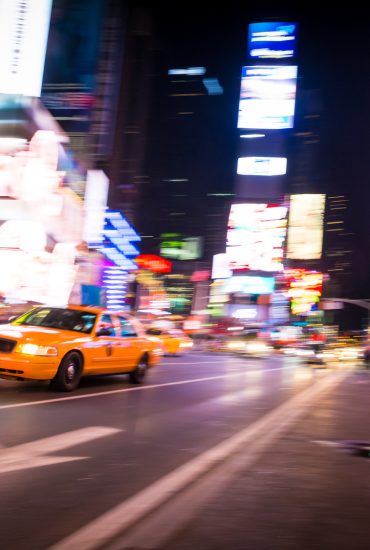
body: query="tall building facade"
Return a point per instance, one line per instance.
(188, 185)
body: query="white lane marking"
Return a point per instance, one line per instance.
(103, 529)
(198, 363)
(139, 388)
(34, 453)
(326, 443)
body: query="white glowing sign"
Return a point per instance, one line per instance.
(220, 267)
(247, 284)
(262, 166)
(190, 71)
(24, 28)
(267, 97)
(255, 237)
(29, 271)
(305, 232)
(244, 313)
(29, 236)
(96, 195)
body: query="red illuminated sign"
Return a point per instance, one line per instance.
(200, 276)
(154, 263)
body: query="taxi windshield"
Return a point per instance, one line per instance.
(59, 318)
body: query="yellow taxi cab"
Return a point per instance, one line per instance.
(62, 344)
(174, 341)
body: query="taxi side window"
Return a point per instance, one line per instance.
(106, 322)
(126, 328)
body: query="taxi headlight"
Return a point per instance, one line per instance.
(34, 349)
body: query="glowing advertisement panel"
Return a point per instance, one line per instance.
(304, 290)
(305, 232)
(255, 237)
(247, 284)
(267, 97)
(24, 28)
(96, 195)
(272, 40)
(177, 247)
(220, 267)
(261, 166)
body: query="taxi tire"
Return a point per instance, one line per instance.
(69, 373)
(138, 374)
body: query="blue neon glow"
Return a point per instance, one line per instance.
(117, 247)
(272, 40)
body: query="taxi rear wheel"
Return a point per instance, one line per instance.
(69, 373)
(137, 376)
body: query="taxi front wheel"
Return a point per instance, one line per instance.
(69, 373)
(137, 376)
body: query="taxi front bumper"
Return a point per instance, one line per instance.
(28, 367)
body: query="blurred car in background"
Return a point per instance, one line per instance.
(62, 344)
(249, 343)
(285, 337)
(341, 350)
(315, 353)
(174, 341)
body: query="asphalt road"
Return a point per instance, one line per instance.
(70, 462)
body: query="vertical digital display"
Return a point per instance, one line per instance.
(305, 232)
(24, 28)
(267, 97)
(256, 236)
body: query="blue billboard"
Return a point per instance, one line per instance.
(272, 40)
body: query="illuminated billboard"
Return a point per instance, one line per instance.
(305, 232)
(24, 28)
(261, 166)
(153, 263)
(255, 237)
(304, 290)
(272, 40)
(220, 267)
(177, 247)
(267, 97)
(96, 195)
(247, 284)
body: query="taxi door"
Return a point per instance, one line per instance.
(130, 347)
(103, 353)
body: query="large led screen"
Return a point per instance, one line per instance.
(247, 284)
(267, 97)
(305, 232)
(178, 247)
(255, 237)
(24, 28)
(272, 40)
(261, 166)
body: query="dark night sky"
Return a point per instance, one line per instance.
(333, 56)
